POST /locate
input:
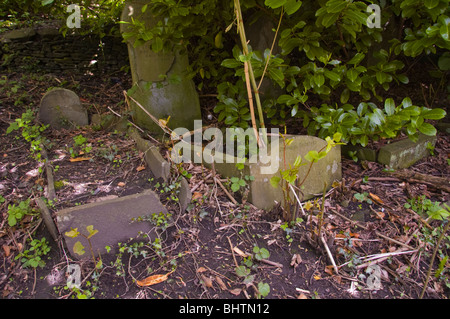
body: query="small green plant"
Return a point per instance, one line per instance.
(437, 213)
(238, 183)
(80, 146)
(32, 133)
(260, 253)
(288, 178)
(32, 257)
(78, 247)
(430, 148)
(363, 197)
(16, 213)
(427, 208)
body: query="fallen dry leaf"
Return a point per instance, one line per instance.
(80, 159)
(240, 252)
(302, 296)
(380, 215)
(153, 280)
(201, 269)
(329, 270)
(140, 168)
(236, 291)
(296, 260)
(196, 195)
(121, 184)
(7, 250)
(376, 199)
(207, 281)
(221, 283)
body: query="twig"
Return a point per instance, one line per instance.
(376, 232)
(381, 257)
(225, 190)
(329, 254)
(232, 252)
(296, 197)
(432, 259)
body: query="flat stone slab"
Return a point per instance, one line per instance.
(113, 220)
(62, 108)
(404, 153)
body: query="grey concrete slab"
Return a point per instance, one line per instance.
(113, 220)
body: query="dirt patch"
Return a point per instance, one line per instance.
(215, 249)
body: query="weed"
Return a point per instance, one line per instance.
(363, 197)
(78, 247)
(33, 255)
(31, 133)
(16, 213)
(427, 208)
(80, 147)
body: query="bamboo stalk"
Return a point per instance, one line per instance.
(241, 31)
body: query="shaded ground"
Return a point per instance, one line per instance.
(208, 251)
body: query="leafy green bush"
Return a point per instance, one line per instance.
(370, 123)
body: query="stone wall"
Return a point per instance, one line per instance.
(48, 50)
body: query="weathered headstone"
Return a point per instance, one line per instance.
(160, 82)
(404, 153)
(113, 220)
(62, 108)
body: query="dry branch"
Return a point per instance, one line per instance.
(437, 182)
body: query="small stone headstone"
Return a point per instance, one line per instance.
(62, 108)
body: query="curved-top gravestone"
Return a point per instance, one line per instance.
(152, 73)
(61, 108)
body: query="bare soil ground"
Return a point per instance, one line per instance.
(208, 251)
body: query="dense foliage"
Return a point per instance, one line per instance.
(332, 63)
(330, 52)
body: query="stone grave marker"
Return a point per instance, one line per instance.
(62, 108)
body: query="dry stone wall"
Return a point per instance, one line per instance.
(48, 50)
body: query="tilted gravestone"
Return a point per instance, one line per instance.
(62, 108)
(153, 74)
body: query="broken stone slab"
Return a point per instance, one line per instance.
(158, 165)
(261, 192)
(405, 153)
(113, 220)
(62, 108)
